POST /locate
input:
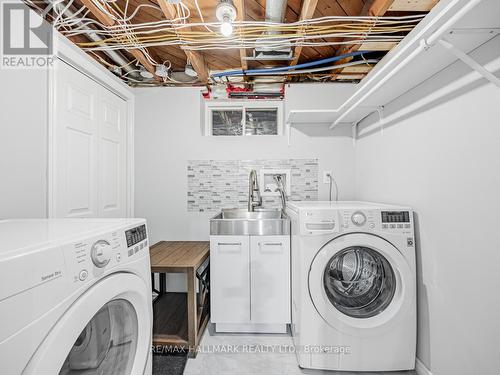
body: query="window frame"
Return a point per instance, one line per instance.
(217, 105)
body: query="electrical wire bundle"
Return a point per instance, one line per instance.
(127, 34)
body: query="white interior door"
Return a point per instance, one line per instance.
(112, 155)
(89, 148)
(75, 144)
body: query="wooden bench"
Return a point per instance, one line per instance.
(179, 318)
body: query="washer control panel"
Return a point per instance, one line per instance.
(331, 221)
(97, 254)
(392, 221)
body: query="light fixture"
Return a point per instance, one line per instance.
(189, 70)
(162, 71)
(226, 14)
(145, 73)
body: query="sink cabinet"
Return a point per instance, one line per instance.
(250, 283)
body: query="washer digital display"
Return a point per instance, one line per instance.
(395, 217)
(135, 235)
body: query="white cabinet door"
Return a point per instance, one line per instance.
(230, 279)
(74, 143)
(112, 155)
(270, 279)
(89, 148)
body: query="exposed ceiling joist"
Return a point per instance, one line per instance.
(412, 5)
(376, 8)
(373, 8)
(196, 58)
(103, 18)
(139, 55)
(306, 12)
(106, 20)
(240, 8)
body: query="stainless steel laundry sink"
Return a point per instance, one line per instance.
(241, 222)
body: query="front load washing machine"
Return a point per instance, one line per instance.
(353, 286)
(75, 297)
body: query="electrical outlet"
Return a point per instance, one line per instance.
(326, 176)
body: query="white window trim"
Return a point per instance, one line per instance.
(243, 105)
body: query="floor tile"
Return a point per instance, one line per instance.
(252, 354)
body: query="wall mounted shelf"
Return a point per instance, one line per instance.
(464, 24)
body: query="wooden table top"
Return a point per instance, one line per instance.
(178, 256)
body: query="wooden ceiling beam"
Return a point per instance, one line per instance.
(102, 17)
(106, 20)
(412, 5)
(376, 8)
(372, 8)
(141, 58)
(196, 58)
(240, 16)
(306, 12)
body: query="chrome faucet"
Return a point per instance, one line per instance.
(281, 189)
(254, 198)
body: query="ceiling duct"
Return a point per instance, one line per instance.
(273, 49)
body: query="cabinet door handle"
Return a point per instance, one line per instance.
(271, 244)
(229, 243)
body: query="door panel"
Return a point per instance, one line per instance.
(270, 279)
(89, 145)
(75, 144)
(230, 279)
(112, 161)
(79, 173)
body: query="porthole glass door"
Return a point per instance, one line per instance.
(359, 282)
(107, 344)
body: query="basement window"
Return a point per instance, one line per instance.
(243, 119)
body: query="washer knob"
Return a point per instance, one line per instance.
(358, 218)
(101, 253)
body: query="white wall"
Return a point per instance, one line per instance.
(23, 143)
(445, 163)
(167, 134)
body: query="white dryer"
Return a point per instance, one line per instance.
(353, 286)
(75, 297)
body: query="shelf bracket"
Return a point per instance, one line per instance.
(354, 131)
(470, 61)
(380, 111)
(288, 126)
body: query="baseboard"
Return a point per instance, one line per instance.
(421, 369)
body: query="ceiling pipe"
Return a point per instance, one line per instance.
(92, 34)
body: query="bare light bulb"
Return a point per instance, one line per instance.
(226, 28)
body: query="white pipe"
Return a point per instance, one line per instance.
(423, 44)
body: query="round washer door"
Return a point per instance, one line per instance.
(106, 331)
(360, 281)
